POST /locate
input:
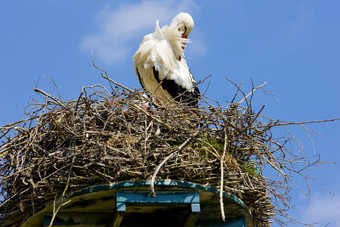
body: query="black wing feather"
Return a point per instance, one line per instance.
(177, 92)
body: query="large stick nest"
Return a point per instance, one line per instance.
(105, 137)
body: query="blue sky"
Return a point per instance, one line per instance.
(291, 44)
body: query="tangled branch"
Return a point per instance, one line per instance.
(105, 137)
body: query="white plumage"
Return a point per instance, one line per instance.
(160, 65)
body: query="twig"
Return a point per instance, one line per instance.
(308, 122)
(202, 81)
(149, 115)
(50, 96)
(114, 134)
(250, 93)
(52, 81)
(222, 174)
(116, 83)
(238, 89)
(55, 211)
(185, 143)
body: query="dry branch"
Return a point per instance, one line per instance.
(102, 137)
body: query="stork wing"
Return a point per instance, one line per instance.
(158, 67)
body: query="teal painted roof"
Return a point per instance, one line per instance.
(98, 202)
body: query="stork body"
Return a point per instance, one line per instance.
(160, 65)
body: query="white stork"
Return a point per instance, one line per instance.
(160, 66)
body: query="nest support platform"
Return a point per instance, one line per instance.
(177, 203)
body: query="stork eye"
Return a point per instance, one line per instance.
(185, 29)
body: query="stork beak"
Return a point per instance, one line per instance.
(184, 36)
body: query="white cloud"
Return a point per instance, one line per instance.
(324, 210)
(119, 28)
(304, 20)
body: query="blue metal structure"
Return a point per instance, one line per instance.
(124, 198)
(177, 203)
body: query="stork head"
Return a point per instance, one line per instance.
(184, 23)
